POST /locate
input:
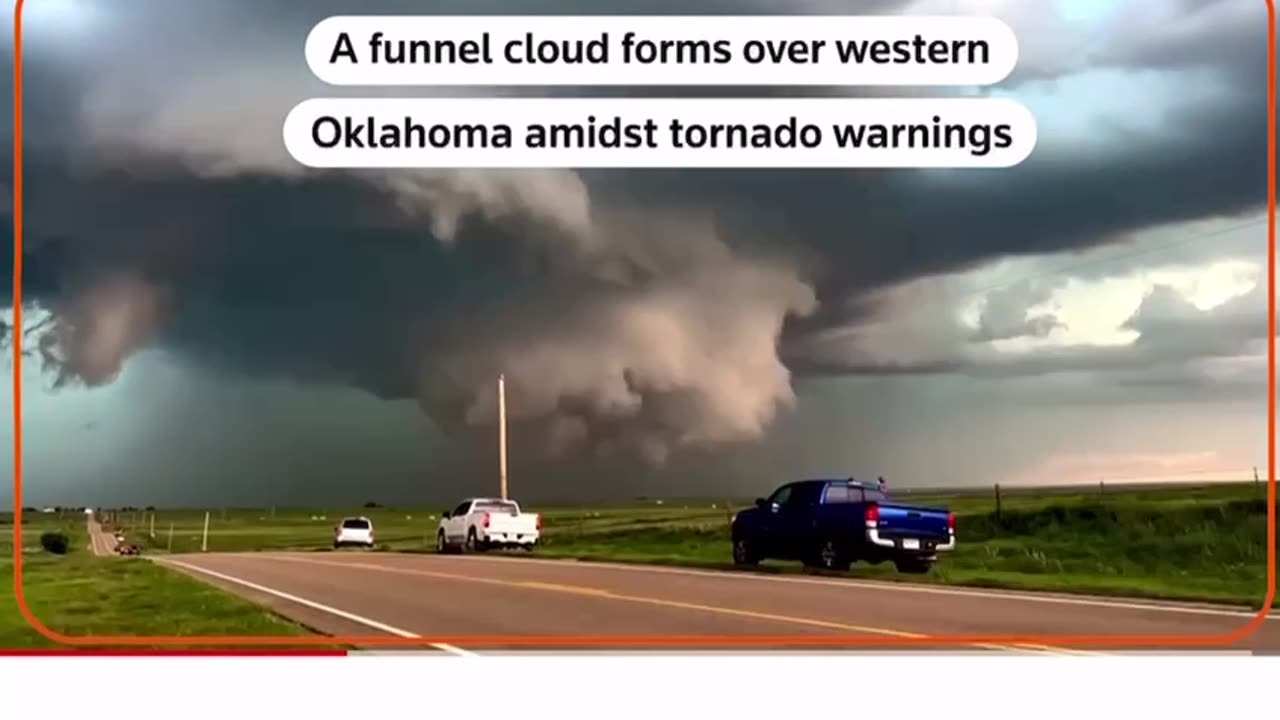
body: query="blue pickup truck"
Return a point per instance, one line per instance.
(831, 523)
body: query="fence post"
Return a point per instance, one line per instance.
(170, 546)
(997, 501)
(204, 541)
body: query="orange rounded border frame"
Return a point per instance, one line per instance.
(644, 640)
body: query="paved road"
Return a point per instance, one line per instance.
(432, 596)
(101, 542)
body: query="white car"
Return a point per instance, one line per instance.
(479, 524)
(353, 531)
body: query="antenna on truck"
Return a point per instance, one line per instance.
(502, 435)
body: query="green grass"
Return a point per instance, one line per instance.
(260, 529)
(1193, 543)
(80, 594)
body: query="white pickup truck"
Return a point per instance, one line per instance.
(479, 524)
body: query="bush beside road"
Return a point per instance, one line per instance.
(77, 593)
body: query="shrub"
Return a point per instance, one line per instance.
(55, 542)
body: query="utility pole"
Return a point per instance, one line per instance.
(153, 524)
(502, 435)
(204, 541)
(170, 545)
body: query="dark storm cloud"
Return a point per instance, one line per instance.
(876, 229)
(1175, 342)
(1218, 34)
(1004, 315)
(1172, 333)
(1170, 326)
(635, 311)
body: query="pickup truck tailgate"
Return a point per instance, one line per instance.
(512, 524)
(906, 521)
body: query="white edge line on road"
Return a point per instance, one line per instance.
(315, 605)
(889, 586)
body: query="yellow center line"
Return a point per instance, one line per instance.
(572, 589)
(660, 602)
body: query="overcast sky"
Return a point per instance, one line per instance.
(209, 322)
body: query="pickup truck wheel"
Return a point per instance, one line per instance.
(744, 553)
(913, 566)
(831, 556)
(471, 540)
(442, 545)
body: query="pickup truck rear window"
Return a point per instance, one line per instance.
(497, 507)
(355, 524)
(837, 494)
(840, 494)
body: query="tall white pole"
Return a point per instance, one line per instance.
(204, 541)
(502, 435)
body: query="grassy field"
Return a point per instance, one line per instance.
(79, 594)
(1203, 543)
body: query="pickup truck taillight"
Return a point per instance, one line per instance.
(537, 522)
(872, 513)
(485, 519)
(951, 521)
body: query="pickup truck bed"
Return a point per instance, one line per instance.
(906, 527)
